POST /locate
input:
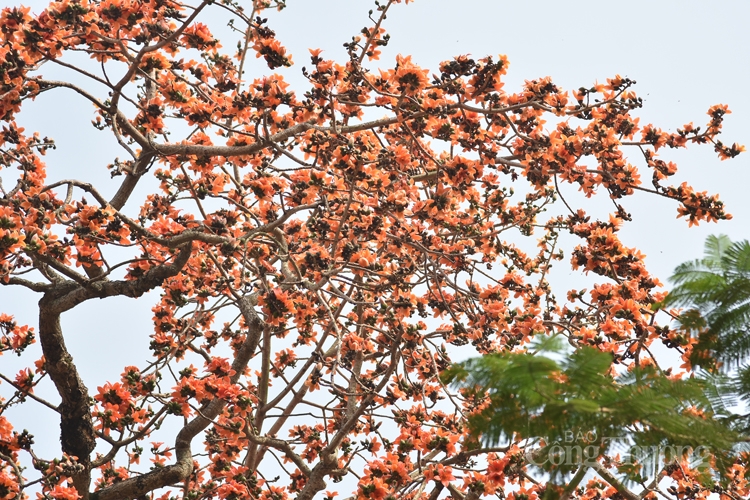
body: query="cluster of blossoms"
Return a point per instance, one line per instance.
(314, 267)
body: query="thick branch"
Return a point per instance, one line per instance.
(135, 288)
(131, 180)
(76, 426)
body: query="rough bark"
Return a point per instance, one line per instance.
(76, 426)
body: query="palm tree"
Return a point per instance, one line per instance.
(716, 292)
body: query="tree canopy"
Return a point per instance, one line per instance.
(318, 254)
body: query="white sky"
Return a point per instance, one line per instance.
(685, 56)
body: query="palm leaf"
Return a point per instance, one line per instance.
(717, 287)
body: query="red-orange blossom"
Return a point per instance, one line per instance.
(316, 251)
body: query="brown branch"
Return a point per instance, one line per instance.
(133, 68)
(117, 445)
(29, 394)
(117, 114)
(373, 33)
(612, 480)
(131, 180)
(49, 262)
(329, 461)
(263, 384)
(77, 433)
(229, 151)
(31, 285)
(17, 472)
(183, 466)
(64, 298)
(284, 447)
(76, 426)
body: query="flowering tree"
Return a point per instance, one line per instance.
(317, 252)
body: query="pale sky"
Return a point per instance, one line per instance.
(685, 56)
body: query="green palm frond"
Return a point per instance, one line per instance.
(716, 291)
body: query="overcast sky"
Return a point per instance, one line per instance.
(685, 56)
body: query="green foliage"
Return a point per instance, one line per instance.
(716, 291)
(535, 396)
(547, 395)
